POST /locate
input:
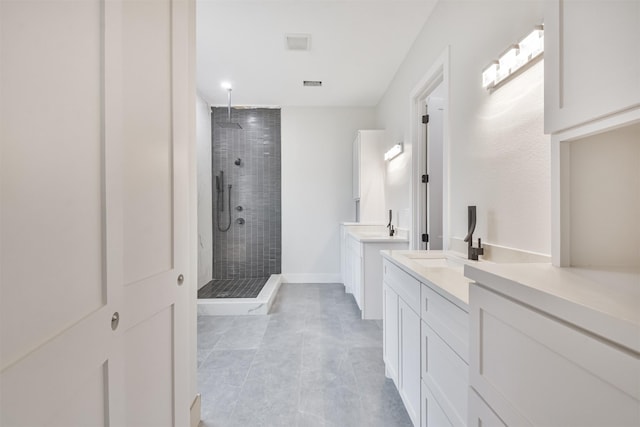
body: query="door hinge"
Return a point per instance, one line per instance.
(425, 178)
(425, 238)
(425, 119)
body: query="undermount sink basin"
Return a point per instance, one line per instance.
(374, 234)
(438, 262)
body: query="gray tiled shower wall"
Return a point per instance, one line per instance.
(252, 249)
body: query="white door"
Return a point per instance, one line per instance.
(93, 220)
(410, 373)
(390, 331)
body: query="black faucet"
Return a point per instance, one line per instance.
(472, 253)
(390, 226)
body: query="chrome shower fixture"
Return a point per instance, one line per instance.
(229, 124)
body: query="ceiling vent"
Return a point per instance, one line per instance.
(312, 83)
(298, 41)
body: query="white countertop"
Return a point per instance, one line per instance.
(377, 237)
(605, 303)
(449, 281)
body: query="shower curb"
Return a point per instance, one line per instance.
(242, 306)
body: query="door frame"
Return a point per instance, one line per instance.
(436, 75)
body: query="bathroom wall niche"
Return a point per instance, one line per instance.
(602, 196)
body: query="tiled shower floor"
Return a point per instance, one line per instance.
(233, 288)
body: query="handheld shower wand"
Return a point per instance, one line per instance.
(220, 201)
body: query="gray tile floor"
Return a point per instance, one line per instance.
(311, 362)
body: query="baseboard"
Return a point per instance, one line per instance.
(501, 254)
(311, 278)
(196, 407)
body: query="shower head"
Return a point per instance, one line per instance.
(228, 124)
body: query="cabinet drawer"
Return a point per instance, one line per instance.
(480, 414)
(446, 375)
(447, 320)
(432, 413)
(406, 286)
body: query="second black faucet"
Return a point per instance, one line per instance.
(390, 226)
(472, 253)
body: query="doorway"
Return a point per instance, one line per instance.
(430, 164)
(432, 170)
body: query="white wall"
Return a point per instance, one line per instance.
(499, 154)
(205, 232)
(316, 187)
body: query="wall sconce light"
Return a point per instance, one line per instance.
(394, 151)
(514, 58)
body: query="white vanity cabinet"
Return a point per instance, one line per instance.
(368, 175)
(425, 349)
(364, 269)
(346, 265)
(532, 368)
(592, 60)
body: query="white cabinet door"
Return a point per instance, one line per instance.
(409, 360)
(356, 168)
(369, 176)
(94, 168)
(358, 287)
(355, 267)
(592, 60)
(346, 260)
(390, 333)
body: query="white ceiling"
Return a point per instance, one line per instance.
(356, 48)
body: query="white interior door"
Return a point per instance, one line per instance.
(435, 166)
(93, 194)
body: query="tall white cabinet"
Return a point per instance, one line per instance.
(368, 176)
(592, 60)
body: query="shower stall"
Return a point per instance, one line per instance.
(246, 199)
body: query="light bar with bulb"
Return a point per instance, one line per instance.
(393, 151)
(514, 58)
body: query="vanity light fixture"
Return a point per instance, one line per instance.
(394, 151)
(514, 58)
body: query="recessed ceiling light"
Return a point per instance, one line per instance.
(225, 85)
(312, 83)
(297, 41)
